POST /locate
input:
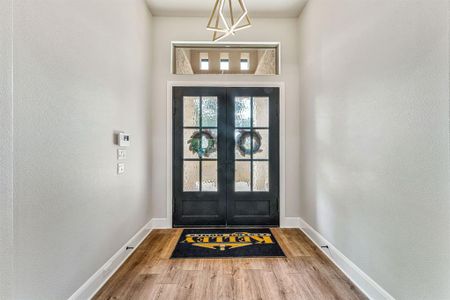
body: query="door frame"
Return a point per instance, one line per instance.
(284, 221)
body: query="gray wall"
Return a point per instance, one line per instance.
(374, 94)
(6, 158)
(81, 73)
(193, 29)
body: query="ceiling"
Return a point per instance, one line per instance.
(202, 8)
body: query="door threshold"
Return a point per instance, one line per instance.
(225, 226)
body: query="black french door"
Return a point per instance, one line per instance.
(225, 156)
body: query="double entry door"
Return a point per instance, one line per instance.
(225, 156)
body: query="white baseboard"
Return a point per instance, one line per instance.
(96, 281)
(366, 284)
(160, 223)
(290, 222)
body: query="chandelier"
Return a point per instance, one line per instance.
(223, 22)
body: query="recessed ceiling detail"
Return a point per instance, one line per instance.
(202, 8)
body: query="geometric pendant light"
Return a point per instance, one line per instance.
(223, 21)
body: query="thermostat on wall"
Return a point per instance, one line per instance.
(124, 139)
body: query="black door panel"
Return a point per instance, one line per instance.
(253, 207)
(226, 156)
(195, 204)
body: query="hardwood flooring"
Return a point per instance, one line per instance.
(306, 273)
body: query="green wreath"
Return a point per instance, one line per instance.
(202, 149)
(243, 137)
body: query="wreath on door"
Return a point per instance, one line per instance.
(243, 142)
(202, 143)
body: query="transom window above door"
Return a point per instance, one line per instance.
(221, 58)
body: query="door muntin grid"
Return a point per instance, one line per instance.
(251, 134)
(200, 144)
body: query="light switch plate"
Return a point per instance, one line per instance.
(120, 168)
(124, 139)
(121, 154)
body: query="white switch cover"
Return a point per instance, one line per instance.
(120, 168)
(124, 139)
(121, 154)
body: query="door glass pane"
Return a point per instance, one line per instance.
(242, 174)
(200, 144)
(243, 148)
(191, 174)
(242, 112)
(191, 111)
(187, 140)
(261, 144)
(209, 111)
(209, 176)
(261, 112)
(261, 176)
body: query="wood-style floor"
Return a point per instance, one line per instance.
(306, 273)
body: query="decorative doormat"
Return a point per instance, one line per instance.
(217, 243)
